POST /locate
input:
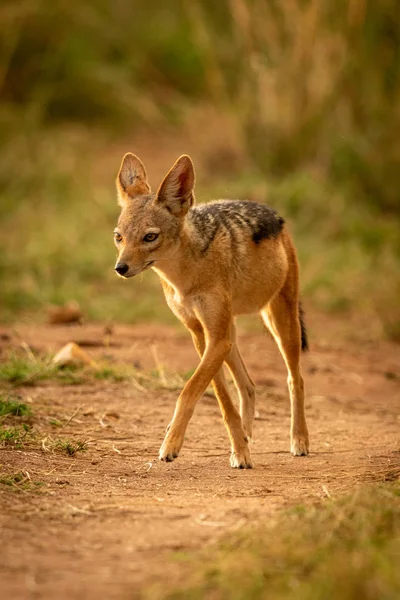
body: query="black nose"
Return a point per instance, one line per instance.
(121, 268)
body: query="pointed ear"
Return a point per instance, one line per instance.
(132, 178)
(176, 190)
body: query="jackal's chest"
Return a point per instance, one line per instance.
(178, 301)
(183, 307)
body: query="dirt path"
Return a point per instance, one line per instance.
(106, 521)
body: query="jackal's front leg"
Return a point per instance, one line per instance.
(240, 453)
(209, 321)
(211, 362)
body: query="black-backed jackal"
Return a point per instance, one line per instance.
(215, 261)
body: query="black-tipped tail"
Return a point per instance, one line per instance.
(304, 338)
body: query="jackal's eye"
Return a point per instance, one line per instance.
(117, 237)
(150, 237)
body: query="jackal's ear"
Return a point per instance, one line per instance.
(176, 189)
(132, 178)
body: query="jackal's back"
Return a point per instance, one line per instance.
(238, 220)
(242, 246)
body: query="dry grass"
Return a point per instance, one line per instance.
(345, 548)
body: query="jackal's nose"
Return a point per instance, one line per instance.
(121, 268)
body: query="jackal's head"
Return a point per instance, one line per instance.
(149, 226)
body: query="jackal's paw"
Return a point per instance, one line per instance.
(169, 450)
(299, 445)
(241, 460)
(168, 456)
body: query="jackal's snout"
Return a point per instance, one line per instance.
(121, 268)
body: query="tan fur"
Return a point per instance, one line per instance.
(206, 289)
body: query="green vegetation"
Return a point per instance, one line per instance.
(16, 437)
(305, 103)
(25, 437)
(70, 447)
(15, 432)
(19, 482)
(347, 548)
(22, 370)
(11, 406)
(111, 374)
(27, 370)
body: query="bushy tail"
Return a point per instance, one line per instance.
(304, 339)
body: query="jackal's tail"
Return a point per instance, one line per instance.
(304, 339)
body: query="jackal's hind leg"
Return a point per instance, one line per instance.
(282, 319)
(240, 453)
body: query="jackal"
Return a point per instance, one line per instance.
(215, 261)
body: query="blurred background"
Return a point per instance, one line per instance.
(291, 102)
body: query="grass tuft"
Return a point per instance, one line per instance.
(111, 374)
(24, 370)
(70, 447)
(16, 437)
(19, 482)
(21, 370)
(10, 406)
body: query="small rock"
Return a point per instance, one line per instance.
(68, 313)
(72, 354)
(113, 414)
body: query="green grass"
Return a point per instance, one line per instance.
(347, 548)
(17, 437)
(19, 482)
(70, 447)
(26, 437)
(19, 370)
(115, 374)
(14, 432)
(11, 406)
(25, 370)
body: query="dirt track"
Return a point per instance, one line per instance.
(105, 523)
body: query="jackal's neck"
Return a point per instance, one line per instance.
(178, 270)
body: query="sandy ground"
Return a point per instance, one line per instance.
(106, 522)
